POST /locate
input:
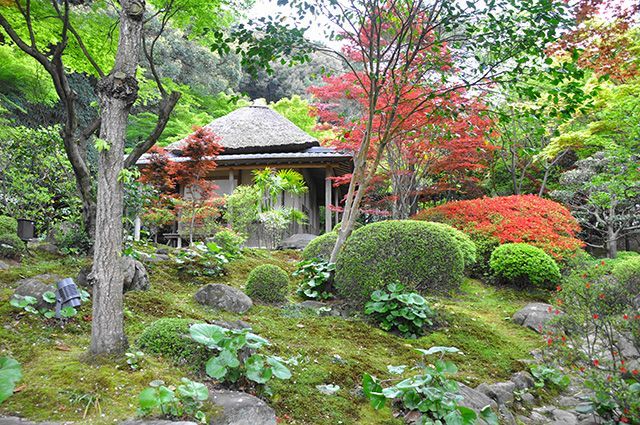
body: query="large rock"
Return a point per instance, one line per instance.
(522, 380)
(156, 422)
(134, 273)
(501, 392)
(534, 316)
(297, 241)
(36, 287)
(223, 297)
(474, 399)
(241, 409)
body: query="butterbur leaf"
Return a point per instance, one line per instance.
(373, 391)
(256, 341)
(215, 369)
(68, 312)
(279, 370)
(209, 335)
(148, 399)
(467, 415)
(396, 370)
(49, 297)
(165, 395)
(228, 358)
(10, 374)
(194, 390)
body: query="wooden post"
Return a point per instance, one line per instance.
(232, 183)
(327, 200)
(137, 223)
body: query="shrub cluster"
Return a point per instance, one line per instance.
(11, 246)
(421, 256)
(230, 241)
(511, 219)
(522, 265)
(170, 338)
(268, 283)
(320, 247)
(627, 271)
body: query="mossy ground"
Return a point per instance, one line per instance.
(59, 384)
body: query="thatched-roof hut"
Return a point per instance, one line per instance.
(255, 137)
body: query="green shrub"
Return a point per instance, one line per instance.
(421, 256)
(170, 338)
(627, 271)
(268, 283)
(8, 225)
(320, 247)
(11, 246)
(229, 241)
(466, 245)
(523, 265)
(338, 226)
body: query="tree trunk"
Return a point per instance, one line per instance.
(117, 93)
(611, 243)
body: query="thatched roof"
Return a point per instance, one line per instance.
(256, 129)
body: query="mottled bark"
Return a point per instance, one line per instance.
(117, 93)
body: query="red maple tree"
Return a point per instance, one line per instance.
(182, 182)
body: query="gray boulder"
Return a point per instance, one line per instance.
(156, 422)
(297, 241)
(241, 409)
(48, 248)
(36, 287)
(523, 380)
(534, 316)
(134, 273)
(501, 392)
(223, 297)
(476, 400)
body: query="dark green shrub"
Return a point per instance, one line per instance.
(11, 246)
(421, 256)
(8, 225)
(466, 245)
(170, 338)
(320, 247)
(523, 265)
(338, 226)
(268, 283)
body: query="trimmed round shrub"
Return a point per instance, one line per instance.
(523, 265)
(466, 245)
(170, 338)
(320, 247)
(421, 256)
(8, 225)
(268, 283)
(11, 246)
(338, 226)
(627, 271)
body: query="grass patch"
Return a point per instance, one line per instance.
(60, 386)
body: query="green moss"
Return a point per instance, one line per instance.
(329, 350)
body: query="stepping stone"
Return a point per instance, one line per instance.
(240, 408)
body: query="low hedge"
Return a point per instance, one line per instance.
(170, 338)
(421, 256)
(11, 246)
(320, 247)
(524, 265)
(268, 283)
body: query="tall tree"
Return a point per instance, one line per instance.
(53, 34)
(396, 49)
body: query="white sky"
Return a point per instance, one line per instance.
(316, 32)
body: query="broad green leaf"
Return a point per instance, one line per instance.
(489, 416)
(209, 335)
(215, 369)
(148, 398)
(10, 374)
(280, 371)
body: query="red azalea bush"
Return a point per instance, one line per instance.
(512, 219)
